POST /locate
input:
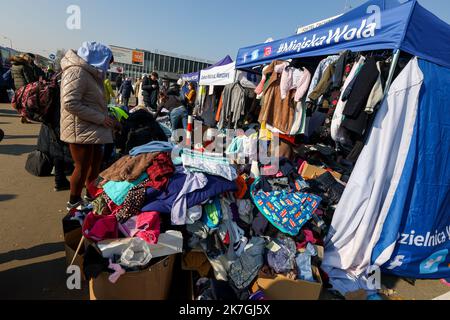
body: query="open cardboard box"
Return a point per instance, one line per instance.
(280, 287)
(311, 172)
(152, 283)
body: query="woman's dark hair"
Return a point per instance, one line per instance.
(112, 60)
(155, 75)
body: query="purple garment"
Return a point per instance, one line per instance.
(260, 224)
(235, 212)
(162, 201)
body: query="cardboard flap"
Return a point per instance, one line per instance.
(169, 243)
(283, 288)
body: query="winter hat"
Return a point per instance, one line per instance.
(96, 54)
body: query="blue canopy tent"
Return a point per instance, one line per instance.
(414, 240)
(195, 76)
(375, 25)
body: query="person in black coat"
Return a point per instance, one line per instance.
(150, 91)
(119, 82)
(126, 90)
(49, 142)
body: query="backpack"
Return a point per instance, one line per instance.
(34, 100)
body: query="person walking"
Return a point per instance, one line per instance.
(85, 123)
(119, 82)
(126, 90)
(150, 91)
(137, 90)
(22, 73)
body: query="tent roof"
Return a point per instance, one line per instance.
(375, 25)
(195, 76)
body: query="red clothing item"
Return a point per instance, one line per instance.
(219, 109)
(145, 226)
(160, 172)
(93, 190)
(242, 188)
(98, 228)
(310, 237)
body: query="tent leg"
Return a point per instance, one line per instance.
(392, 70)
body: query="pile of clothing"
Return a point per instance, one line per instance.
(273, 224)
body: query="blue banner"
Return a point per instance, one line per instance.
(366, 28)
(416, 233)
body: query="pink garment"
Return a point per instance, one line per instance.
(309, 238)
(293, 79)
(119, 271)
(260, 88)
(286, 78)
(98, 228)
(302, 85)
(145, 226)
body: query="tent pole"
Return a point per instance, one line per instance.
(392, 70)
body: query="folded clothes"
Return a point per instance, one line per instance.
(209, 163)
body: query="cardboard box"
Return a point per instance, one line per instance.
(311, 172)
(150, 284)
(280, 287)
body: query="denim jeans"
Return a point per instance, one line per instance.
(177, 115)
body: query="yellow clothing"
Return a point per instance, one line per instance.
(108, 91)
(190, 97)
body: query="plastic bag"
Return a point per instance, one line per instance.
(136, 255)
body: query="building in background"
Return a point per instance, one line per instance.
(133, 63)
(5, 54)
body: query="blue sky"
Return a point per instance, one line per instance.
(208, 29)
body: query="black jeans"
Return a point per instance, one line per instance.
(60, 171)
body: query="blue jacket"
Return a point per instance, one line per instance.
(126, 89)
(6, 79)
